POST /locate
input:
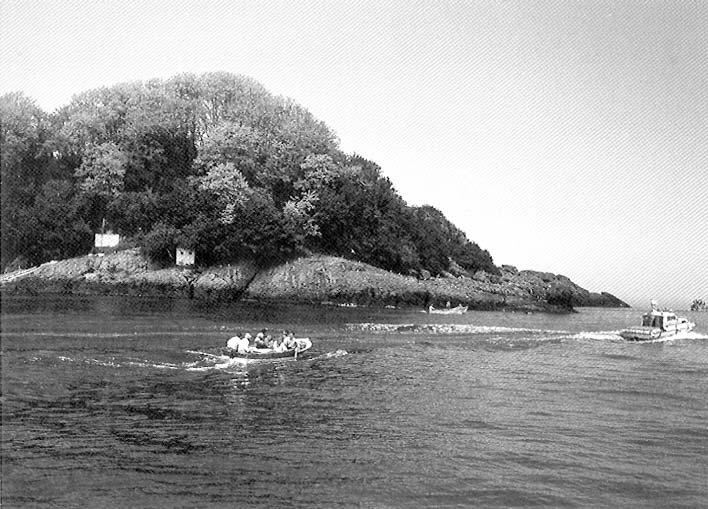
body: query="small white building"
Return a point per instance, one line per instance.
(106, 239)
(184, 256)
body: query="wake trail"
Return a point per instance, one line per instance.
(219, 362)
(615, 336)
(385, 328)
(113, 363)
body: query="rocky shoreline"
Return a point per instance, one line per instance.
(313, 279)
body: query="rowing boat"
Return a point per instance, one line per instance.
(302, 344)
(459, 310)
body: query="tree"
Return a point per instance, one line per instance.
(102, 170)
(25, 165)
(133, 213)
(53, 227)
(213, 161)
(299, 219)
(160, 243)
(438, 241)
(229, 186)
(236, 145)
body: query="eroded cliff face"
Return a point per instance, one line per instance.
(323, 278)
(317, 279)
(547, 285)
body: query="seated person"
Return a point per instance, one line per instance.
(234, 342)
(260, 341)
(278, 345)
(239, 344)
(289, 341)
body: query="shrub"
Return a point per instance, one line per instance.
(160, 244)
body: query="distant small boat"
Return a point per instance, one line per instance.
(658, 324)
(459, 310)
(303, 344)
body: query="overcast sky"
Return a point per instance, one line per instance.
(569, 137)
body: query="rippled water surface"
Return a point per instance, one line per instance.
(108, 402)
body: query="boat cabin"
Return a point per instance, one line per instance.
(663, 320)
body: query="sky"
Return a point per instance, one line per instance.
(562, 136)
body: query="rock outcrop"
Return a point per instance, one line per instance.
(317, 279)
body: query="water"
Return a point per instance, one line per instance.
(105, 405)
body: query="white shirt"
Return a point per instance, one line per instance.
(234, 342)
(243, 346)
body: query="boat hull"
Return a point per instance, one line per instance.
(641, 334)
(459, 310)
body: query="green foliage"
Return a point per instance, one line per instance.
(365, 221)
(439, 241)
(102, 169)
(52, 228)
(298, 216)
(699, 305)
(161, 243)
(26, 165)
(133, 213)
(229, 186)
(262, 231)
(213, 162)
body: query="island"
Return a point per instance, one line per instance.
(210, 187)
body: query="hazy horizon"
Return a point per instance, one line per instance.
(568, 137)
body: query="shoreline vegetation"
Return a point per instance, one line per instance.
(699, 305)
(315, 279)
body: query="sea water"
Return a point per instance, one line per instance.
(115, 402)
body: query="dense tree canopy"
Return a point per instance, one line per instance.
(213, 162)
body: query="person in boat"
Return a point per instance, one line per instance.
(259, 342)
(233, 342)
(245, 343)
(240, 344)
(272, 342)
(278, 345)
(262, 338)
(288, 340)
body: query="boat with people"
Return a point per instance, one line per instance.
(658, 324)
(264, 346)
(457, 310)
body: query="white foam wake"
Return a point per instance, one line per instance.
(615, 336)
(218, 362)
(436, 328)
(113, 363)
(598, 336)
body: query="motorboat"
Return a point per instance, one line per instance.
(658, 325)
